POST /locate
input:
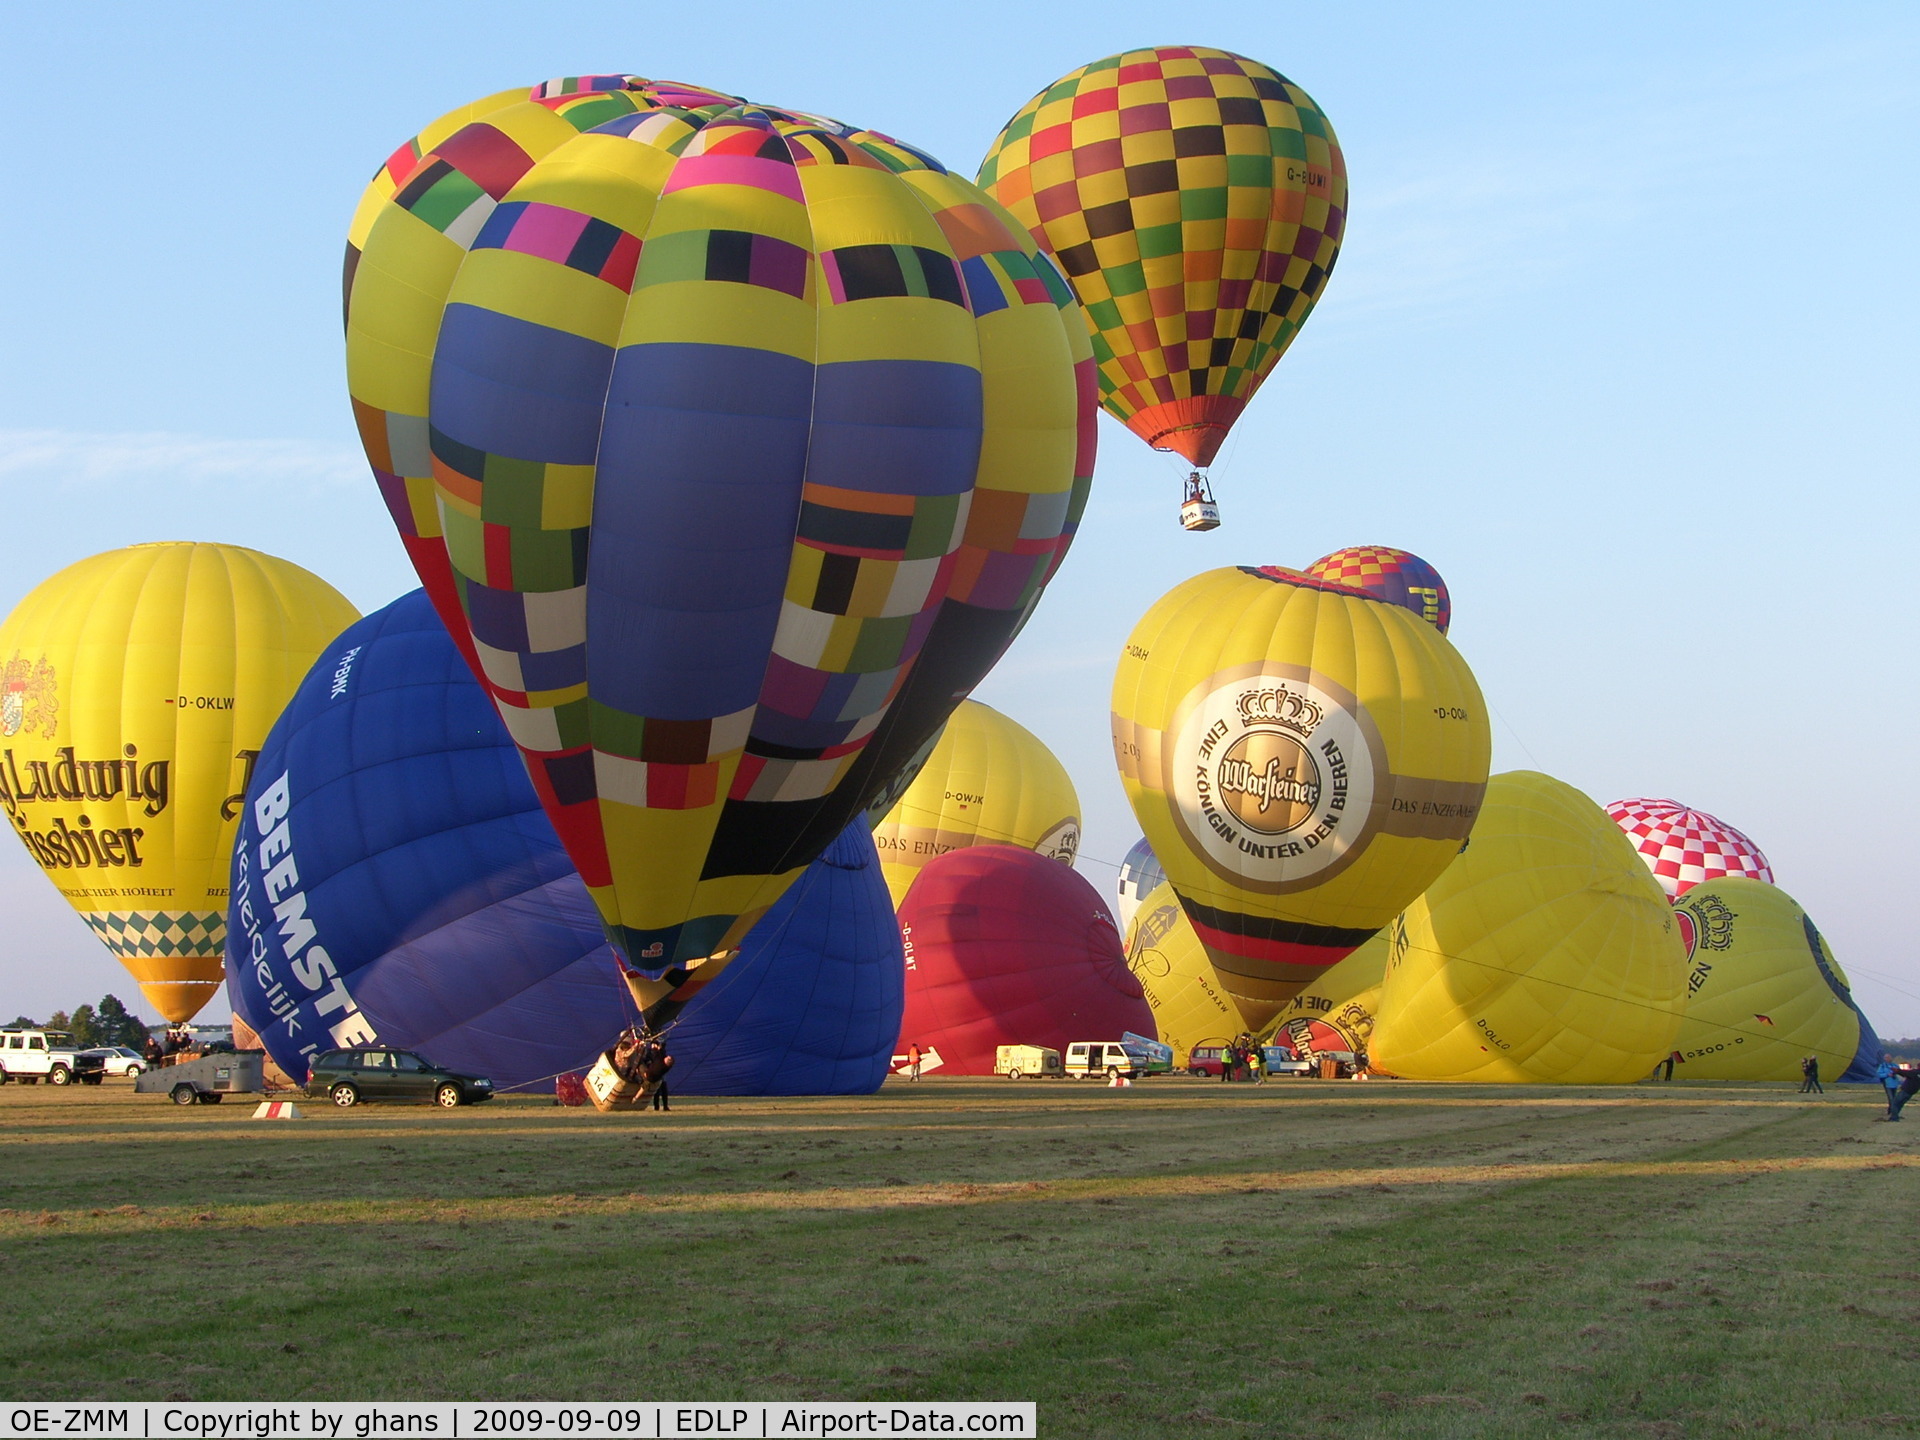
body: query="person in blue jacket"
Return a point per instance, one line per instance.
(1889, 1076)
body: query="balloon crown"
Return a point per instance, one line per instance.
(1282, 707)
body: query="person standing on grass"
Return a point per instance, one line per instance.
(1810, 1069)
(1888, 1074)
(1672, 1060)
(913, 1061)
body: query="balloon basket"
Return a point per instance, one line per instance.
(1199, 515)
(608, 1089)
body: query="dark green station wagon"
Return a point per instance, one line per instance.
(347, 1077)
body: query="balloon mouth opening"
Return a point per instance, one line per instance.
(1193, 428)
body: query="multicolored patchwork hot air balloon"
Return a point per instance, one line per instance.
(751, 440)
(1196, 200)
(1304, 759)
(1544, 954)
(1398, 576)
(139, 686)
(1684, 847)
(989, 781)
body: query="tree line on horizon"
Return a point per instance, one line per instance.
(108, 1023)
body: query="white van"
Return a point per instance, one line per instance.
(1017, 1062)
(1106, 1057)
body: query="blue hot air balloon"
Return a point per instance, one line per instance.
(395, 881)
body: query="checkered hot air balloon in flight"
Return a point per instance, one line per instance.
(1196, 200)
(732, 444)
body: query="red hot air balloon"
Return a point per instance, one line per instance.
(1008, 947)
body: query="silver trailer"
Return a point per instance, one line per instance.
(205, 1080)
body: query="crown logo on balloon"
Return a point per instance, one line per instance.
(1282, 707)
(1714, 918)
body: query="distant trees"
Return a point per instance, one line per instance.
(108, 1023)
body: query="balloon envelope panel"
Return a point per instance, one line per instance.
(1304, 759)
(1007, 947)
(988, 781)
(1545, 953)
(430, 905)
(1140, 876)
(1337, 1013)
(751, 438)
(138, 685)
(1683, 846)
(1196, 200)
(1190, 1004)
(1763, 988)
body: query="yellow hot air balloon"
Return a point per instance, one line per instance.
(138, 687)
(1545, 953)
(1304, 759)
(1335, 1015)
(989, 781)
(1763, 989)
(1190, 1003)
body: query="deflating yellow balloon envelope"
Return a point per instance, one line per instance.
(1335, 1015)
(989, 781)
(1190, 1003)
(138, 687)
(1763, 989)
(1304, 759)
(1545, 953)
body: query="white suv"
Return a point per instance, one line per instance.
(29, 1055)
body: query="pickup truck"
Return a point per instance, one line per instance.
(31, 1056)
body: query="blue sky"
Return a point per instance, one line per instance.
(1619, 339)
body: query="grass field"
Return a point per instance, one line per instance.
(1185, 1258)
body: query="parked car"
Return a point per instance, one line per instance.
(347, 1077)
(30, 1056)
(118, 1059)
(1017, 1062)
(1106, 1057)
(1208, 1059)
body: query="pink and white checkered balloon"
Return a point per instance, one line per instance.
(1685, 847)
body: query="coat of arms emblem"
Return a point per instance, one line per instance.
(27, 697)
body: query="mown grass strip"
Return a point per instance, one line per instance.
(129, 1219)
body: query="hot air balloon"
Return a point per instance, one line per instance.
(1304, 759)
(1544, 954)
(138, 687)
(1196, 200)
(1007, 947)
(1683, 846)
(752, 441)
(1190, 1004)
(1398, 576)
(1140, 876)
(396, 881)
(1335, 1015)
(1763, 988)
(988, 781)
